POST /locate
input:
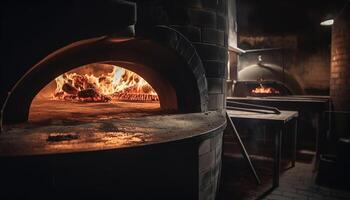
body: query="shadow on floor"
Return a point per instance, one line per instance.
(296, 183)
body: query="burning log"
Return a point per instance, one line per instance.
(88, 93)
(93, 95)
(69, 89)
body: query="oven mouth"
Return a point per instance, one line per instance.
(92, 92)
(260, 89)
(173, 71)
(101, 83)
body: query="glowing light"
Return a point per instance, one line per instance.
(264, 90)
(328, 22)
(120, 84)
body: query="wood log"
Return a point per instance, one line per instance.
(69, 89)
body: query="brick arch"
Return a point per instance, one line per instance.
(183, 47)
(169, 63)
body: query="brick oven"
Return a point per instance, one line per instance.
(266, 79)
(113, 99)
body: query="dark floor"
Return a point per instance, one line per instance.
(238, 183)
(298, 183)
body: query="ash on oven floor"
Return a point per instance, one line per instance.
(61, 137)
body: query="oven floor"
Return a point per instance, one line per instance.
(44, 111)
(65, 136)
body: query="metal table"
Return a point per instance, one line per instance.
(301, 103)
(279, 121)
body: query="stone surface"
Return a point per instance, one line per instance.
(216, 101)
(210, 166)
(109, 132)
(192, 33)
(204, 147)
(202, 18)
(221, 22)
(214, 68)
(213, 36)
(215, 85)
(211, 52)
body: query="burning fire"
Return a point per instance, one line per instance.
(120, 84)
(265, 90)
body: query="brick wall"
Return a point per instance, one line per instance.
(204, 23)
(209, 17)
(209, 166)
(340, 62)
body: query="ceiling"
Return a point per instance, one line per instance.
(256, 17)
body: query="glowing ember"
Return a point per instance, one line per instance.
(120, 84)
(265, 90)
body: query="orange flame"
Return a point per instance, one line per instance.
(120, 84)
(265, 90)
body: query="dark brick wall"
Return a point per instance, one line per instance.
(209, 152)
(204, 23)
(340, 62)
(184, 169)
(210, 17)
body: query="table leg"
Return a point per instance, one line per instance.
(243, 150)
(318, 140)
(295, 136)
(277, 163)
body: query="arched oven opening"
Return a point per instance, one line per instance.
(97, 91)
(265, 79)
(260, 89)
(168, 77)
